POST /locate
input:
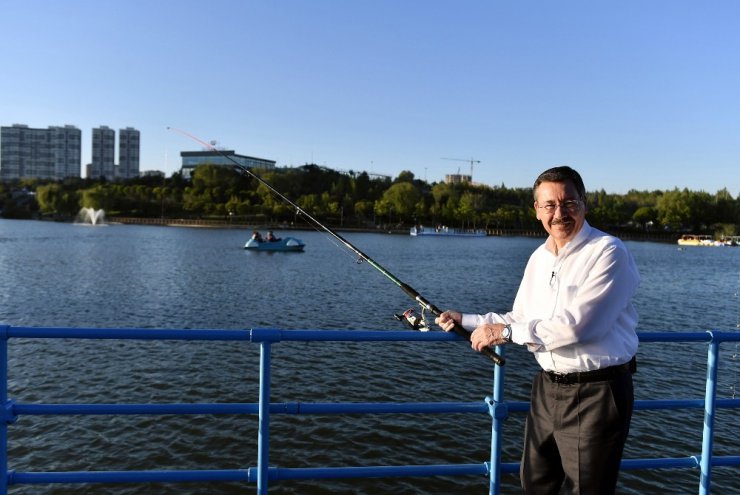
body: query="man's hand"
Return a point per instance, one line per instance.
(448, 319)
(486, 335)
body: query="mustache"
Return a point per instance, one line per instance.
(561, 221)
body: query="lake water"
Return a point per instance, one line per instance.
(56, 274)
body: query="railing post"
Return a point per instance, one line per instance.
(263, 447)
(496, 426)
(710, 396)
(4, 405)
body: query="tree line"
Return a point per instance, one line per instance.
(358, 200)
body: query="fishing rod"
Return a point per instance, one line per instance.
(408, 316)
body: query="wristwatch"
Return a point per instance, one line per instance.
(506, 333)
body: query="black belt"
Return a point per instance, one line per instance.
(601, 375)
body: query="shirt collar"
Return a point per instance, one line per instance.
(579, 239)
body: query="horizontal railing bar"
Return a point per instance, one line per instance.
(249, 475)
(171, 476)
(674, 336)
(658, 463)
(253, 335)
(272, 335)
(125, 333)
(707, 336)
(19, 409)
(725, 461)
(651, 463)
(250, 408)
(278, 474)
(650, 404)
(277, 335)
(684, 404)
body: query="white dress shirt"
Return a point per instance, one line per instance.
(574, 310)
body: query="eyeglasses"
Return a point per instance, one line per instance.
(570, 206)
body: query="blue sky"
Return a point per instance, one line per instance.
(635, 94)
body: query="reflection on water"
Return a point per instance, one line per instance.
(157, 277)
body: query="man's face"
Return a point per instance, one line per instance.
(561, 210)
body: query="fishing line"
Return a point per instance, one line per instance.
(410, 291)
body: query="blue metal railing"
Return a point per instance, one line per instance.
(263, 474)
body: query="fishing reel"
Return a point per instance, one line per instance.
(414, 321)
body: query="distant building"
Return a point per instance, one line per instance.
(152, 173)
(103, 153)
(53, 153)
(191, 159)
(458, 179)
(128, 153)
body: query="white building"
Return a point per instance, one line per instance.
(458, 179)
(128, 153)
(191, 159)
(53, 153)
(103, 153)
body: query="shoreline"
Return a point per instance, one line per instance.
(669, 238)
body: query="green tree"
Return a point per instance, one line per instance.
(673, 209)
(468, 208)
(728, 209)
(645, 216)
(405, 176)
(506, 217)
(444, 203)
(56, 199)
(97, 197)
(310, 203)
(361, 186)
(400, 201)
(212, 188)
(364, 208)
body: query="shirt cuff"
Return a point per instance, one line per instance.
(470, 321)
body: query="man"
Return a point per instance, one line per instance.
(573, 311)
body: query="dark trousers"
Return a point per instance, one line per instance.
(575, 434)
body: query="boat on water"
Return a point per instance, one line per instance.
(732, 240)
(707, 240)
(695, 240)
(419, 230)
(284, 244)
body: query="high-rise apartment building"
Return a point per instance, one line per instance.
(66, 145)
(128, 153)
(103, 153)
(53, 153)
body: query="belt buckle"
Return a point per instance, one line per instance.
(561, 378)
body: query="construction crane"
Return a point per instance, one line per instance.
(471, 161)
